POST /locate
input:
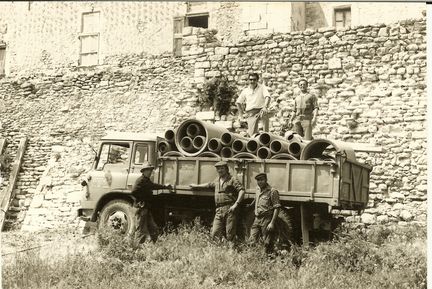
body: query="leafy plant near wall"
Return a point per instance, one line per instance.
(218, 92)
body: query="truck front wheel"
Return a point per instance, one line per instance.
(118, 215)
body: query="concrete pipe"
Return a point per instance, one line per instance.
(317, 148)
(263, 153)
(293, 136)
(164, 147)
(295, 148)
(198, 142)
(245, 155)
(277, 147)
(193, 126)
(173, 154)
(193, 130)
(252, 146)
(186, 145)
(283, 156)
(215, 145)
(266, 138)
(209, 155)
(239, 145)
(170, 135)
(228, 138)
(226, 152)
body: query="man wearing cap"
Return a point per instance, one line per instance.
(229, 192)
(305, 111)
(267, 207)
(142, 190)
(254, 100)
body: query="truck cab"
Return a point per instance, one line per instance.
(116, 167)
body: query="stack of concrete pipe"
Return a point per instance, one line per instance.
(197, 138)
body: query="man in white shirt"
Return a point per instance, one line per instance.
(254, 100)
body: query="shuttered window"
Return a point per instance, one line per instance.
(178, 34)
(90, 38)
(342, 17)
(2, 60)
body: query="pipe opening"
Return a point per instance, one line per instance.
(226, 152)
(170, 135)
(252, 146)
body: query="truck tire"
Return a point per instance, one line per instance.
(119, 215)
(285, 229)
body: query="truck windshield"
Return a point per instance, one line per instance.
(113, 154)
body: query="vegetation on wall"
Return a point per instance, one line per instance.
(218, 93)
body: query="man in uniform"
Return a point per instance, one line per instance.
(267, 206)
(254, 100)
(305, 111)
(146, 229)
(229, 192)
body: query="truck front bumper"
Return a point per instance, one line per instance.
(85, 214)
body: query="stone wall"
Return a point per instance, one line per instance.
(63, 113)
(374, 75)
(371, 86)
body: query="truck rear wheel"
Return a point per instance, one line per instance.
(118, 215)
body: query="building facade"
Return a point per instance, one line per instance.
(82, 34)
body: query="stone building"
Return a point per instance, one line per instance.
(370, 74)
(78, 34)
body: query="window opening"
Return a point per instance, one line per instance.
(141, 154)
(90, 38)
(342, 17)
(113, 154)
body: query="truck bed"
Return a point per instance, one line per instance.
(342, 183)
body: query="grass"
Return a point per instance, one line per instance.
(187, 258)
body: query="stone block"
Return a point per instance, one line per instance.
(228, 124)
(334, 63)
(213, 73)
(187, 31)
(221, 50)
(297, 67)
(205, 115)
(368, 218)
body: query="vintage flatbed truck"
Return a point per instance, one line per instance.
(309, 189)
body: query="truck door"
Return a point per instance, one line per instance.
(142, 152)
(111, 170)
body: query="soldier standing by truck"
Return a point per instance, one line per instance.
(305, 111)
(267, 206)
(229, 192)
(146, 229)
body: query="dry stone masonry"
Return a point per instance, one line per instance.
(370, 81)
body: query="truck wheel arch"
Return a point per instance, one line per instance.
(108, 198)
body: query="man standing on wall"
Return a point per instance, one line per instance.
(305, 111)
(229, 192)
(254, 100)
(146, 229)
(267, 206)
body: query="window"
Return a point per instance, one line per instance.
(342, 17)
(2, 60)
(178, 34)
(141, 154)
(197, 20)
(89, 38)
(113, 155)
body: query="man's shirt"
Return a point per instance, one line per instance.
(305, 103)
(226, 191)
(143, 189)
(254, 98)
(266, 201)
